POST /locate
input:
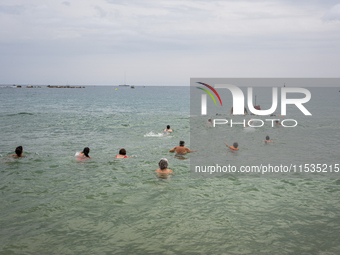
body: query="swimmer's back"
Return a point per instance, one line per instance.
(165, 171)
(181, 149)
(232, 148)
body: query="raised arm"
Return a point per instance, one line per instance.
(227, 145)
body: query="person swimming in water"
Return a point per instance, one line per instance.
(167, 130)
(122, 154)
(268, 140)
(163, 171)
(233, 148)
(85, 153)
(18, 152)
(181, 149)
(277, 123)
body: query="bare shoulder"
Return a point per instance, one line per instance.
(16, 156)
(175, 148)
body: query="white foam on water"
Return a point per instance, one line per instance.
(152, 134)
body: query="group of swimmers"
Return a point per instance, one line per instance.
(234, 147)
(163, 170)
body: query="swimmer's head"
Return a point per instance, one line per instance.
(267, 137)
(168, 127)
(163, 163)
(276, 121)
(209, 120)
(122, 151)
(235, 145)
(86, 151)
(18, 151)
(181, 143)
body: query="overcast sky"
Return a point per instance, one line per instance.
(83, 42)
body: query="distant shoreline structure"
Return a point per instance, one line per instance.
(66, 87)
(128, 86)
(43, 86)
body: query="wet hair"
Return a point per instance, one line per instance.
(18, 151)
(163, 163)
(276, 121)
(235, 145)
(267, 137)
(122, 151)
(181, 143)
(86, 151)
(168, 126)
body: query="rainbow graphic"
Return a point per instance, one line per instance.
(208, 92)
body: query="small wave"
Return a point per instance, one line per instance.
(20, 113)
(23, 113)
(152, 134)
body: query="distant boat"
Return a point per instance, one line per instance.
(124, 81)
(125, 85)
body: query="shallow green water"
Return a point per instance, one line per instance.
(50, 203)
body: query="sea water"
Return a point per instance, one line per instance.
(51, 203)
(300, 143)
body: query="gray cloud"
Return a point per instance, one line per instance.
(12, 9)
(102, 13)
(166, 42)
(332, 14)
